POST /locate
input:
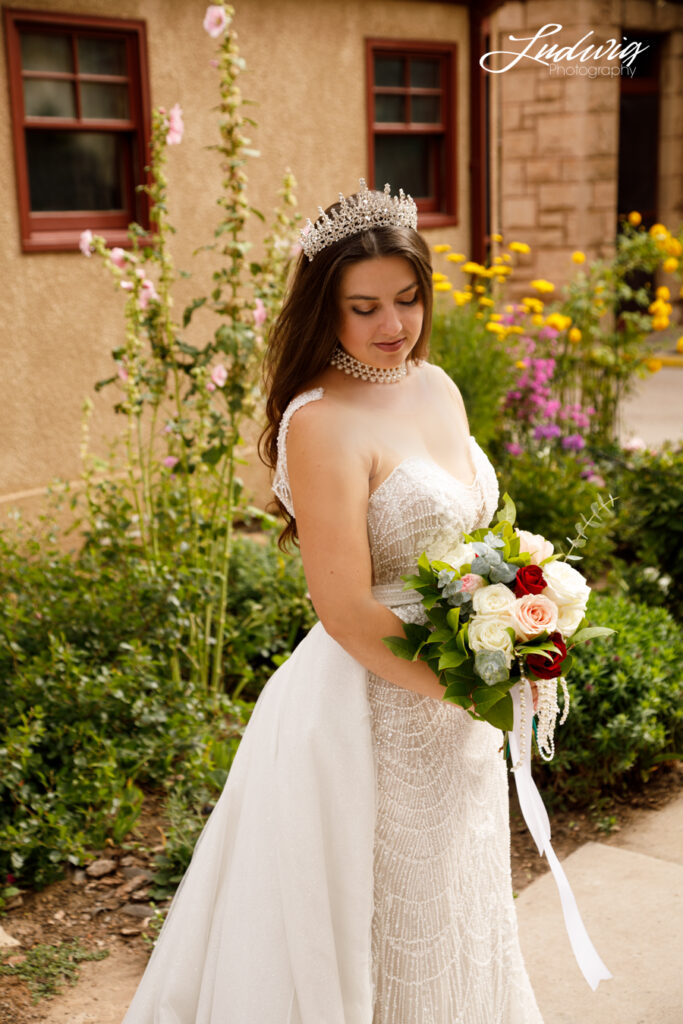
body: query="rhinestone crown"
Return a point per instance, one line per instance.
(368, 209)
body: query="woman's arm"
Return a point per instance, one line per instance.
(328, 471)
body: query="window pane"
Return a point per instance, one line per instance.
(46, 52)
(425, 73)
(107, 101)
(101, 56)
(405, 162)
(425, 109)
(390, 108)
(76, 170)
(389, 71)
(45, 98)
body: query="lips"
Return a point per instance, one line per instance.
(390, 346)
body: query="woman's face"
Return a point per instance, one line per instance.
(380, 310)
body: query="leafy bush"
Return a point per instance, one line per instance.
(626, 694)
(92, 707)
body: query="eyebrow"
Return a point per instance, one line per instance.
(375, 298)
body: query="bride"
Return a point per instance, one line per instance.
(356, 869)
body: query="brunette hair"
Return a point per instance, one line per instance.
(303, 338)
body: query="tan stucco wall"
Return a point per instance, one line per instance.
(306, 69)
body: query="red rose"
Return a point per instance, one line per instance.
(529, 580)
(544, 668)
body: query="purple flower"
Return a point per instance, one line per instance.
(170, 461)
(513, 448)
(574, 441)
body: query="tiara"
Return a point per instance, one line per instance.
(367, 209)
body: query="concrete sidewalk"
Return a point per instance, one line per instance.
(630, 895)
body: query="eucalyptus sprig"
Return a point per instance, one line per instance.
(580, 540)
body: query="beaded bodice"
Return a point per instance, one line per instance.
(419, 507)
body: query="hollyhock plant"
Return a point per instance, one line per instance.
(176, 126)
(215, 20)
(85, 242)
(119, 257)
(219, 376)
(260, 313)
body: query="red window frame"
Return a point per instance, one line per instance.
(439, 208)
(61, 230)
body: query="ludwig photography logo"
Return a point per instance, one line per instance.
(556, 58)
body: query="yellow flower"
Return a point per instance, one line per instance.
(670, 265)
(497, 259)
(578, 256)
(493, 327)
(672, 246)
(575, 335)
(663, 292)
(497, 238)
(485, 301)
(542, 286)
(558, 321)
(679, 345)
(509, 308)
(441, 247)
(473, 268)
(660, 323)
(442, 286)
(520, 364)
(496, 316)
(478, 316)
(515, 329)
(634, 218)
(599, 289)
(533, 304)
(461, 298)
(438, 276)
(659, 307)
(653, 365)
(519, 247)
(537, 320)
(456, 257)
(503, 270)
(681, 292)
(479, 288)
(659, 231)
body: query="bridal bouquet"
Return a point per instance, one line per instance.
(503, 609)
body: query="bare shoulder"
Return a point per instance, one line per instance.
(438, 377)
(324, 430)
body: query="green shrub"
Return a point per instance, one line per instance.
(626, 693)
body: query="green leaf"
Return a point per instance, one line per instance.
(508, 513)
(501, 714)
(459, 688)
(453, 619)
(451, 659)
(399, 646)
(589, 632)
(189, 310)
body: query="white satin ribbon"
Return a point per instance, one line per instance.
(536, 818)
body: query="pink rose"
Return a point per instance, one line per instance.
(532, 614)
(175, 126)
(85, 242)
(119, 257)
(215, 20)
(538, 547)
(219, 375)
(259, 312)
(471, 582)
(170, 461)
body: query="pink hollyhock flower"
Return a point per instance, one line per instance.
(127, 286)
(259, 312)
(175, 126)
(85, 242)
(213, 63)
(170, 461)
(210, 386)
(118, 257)
(148, 293)
(219, 375)
(122, 371)
(472, 582)
(215, 20)
(634, 444)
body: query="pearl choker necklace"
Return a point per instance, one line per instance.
(349, 364)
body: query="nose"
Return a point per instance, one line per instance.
(391, 324)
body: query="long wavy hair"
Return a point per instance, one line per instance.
(304, 336)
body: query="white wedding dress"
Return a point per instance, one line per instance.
(356, 868)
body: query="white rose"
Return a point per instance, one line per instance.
(569, 618)
(495, 601)
(489, 635)
(565, 585)
(461, 554)
(535, 545)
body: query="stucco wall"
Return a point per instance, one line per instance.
(306, 70)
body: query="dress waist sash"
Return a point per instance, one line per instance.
(393, 595)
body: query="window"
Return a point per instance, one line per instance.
(411, 118)
(80, 113)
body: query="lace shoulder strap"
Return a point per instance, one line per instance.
(280, 483)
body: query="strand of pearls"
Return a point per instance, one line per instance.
(349, 364)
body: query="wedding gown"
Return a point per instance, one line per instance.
(356, 868)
